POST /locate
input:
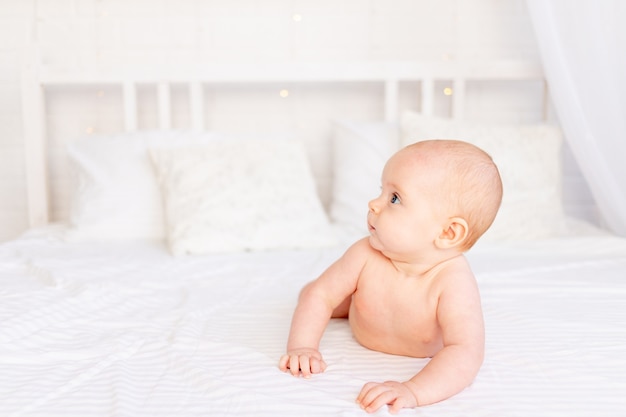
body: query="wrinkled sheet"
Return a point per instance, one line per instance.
(125, 329)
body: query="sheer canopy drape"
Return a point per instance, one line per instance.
(583, 50)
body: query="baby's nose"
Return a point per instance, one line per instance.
(373, 206)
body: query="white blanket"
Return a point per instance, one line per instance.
(128, 330)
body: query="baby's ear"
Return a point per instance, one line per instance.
(454, 233)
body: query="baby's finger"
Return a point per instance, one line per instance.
(317, 365)
(305, 366)
(375, 395)
(365, 390)
(385, 397)
(294, 365)
(399, 404)
(283, 362)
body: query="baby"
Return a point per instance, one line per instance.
(407, 289)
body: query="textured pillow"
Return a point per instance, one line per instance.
(360, 151)
(240, 195)
(529, 160)
(114, 193)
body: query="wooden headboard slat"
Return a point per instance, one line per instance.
(130, 106)
(37, 77)
(164, 100)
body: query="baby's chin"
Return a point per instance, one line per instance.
(375, 243)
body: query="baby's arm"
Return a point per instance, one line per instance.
(316, 303)
(453, 368)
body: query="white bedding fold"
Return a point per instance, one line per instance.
(127, 330)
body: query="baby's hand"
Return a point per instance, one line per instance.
(307, 361)
(398, 395)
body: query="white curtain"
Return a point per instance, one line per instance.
(583, 50)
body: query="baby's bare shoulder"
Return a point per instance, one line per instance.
(354, 259)
(361, 250)
(456, 274)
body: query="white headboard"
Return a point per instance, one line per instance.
(36, 78)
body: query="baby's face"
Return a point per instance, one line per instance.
(403, 219)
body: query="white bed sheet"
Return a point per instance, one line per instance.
(128, 330)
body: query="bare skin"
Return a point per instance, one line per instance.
(406, 289)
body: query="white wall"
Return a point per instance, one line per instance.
(110, 33)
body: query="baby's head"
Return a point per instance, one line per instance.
(463, 181)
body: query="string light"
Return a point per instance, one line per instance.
(297, 17)
(284, 93)
(447, 91)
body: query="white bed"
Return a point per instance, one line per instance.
(96, 326)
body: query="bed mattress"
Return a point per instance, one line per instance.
(125, 329)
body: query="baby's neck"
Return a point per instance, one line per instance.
(423, 267)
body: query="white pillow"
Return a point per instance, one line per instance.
(529, 160)
(114, 192)
(240, 195)
(360, 151)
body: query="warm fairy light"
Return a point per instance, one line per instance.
(297, 17)
(100, 93)
(284, 93)
(447, 91)
(89, 130)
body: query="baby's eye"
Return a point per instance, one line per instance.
(395, 199)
